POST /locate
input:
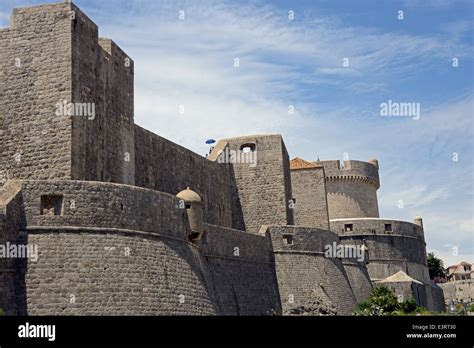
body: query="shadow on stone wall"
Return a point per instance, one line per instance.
(12, 269)
(238, 221)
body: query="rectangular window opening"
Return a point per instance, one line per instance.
(51, 205)
(288, 238)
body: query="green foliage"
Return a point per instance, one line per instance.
(2, 312)
(470, 308)
(460, 309)
(408, 306)
(383, 301)
(435, 266)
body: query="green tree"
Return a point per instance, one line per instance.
(435, 266)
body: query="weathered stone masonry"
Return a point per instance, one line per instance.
(97, 195)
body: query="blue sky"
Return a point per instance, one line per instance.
(337, 109)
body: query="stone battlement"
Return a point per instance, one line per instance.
(370, 226)
(367, 172)
(97, 196)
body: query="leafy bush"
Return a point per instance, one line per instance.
(408, 306)
(383, 301)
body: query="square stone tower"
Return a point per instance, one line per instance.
(260, 180)
(66, 99)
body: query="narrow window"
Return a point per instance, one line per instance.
(51, 205)
(288, 238)
(388, 227)
(348, 227)
(246, 148)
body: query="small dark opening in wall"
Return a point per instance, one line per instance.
(188, 206)
(348, 227)
(245, 148)
(121, 206)
(388, 227)
(51, 205)
(288, 238)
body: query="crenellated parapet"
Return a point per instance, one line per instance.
(371, 226)
(357, 171)
(351, 188)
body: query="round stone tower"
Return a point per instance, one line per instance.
(352, 188)
(193, 204)
(392, 245)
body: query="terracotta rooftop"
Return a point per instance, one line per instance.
(298, 163)
(456, 268)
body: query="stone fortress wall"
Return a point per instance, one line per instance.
(103, 148)
(34, 76)
(119, 249)
(459, 291)
(304, 273)
(393, 245)
(10, 215)
(351, 196)
(97, 196)
(310, 195)
(260, 191)
(165, 166)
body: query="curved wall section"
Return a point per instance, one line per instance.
(83, 272)
(241, 271)
(105, 205)
(112, 250)
(359, 279)
(392, 245)
(304, 274)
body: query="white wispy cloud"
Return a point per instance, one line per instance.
(190, 63)
(416, 197)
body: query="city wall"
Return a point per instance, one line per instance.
(309, 193)
(260, 191)
(304, 273)
(123, 250)
(401, 248)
